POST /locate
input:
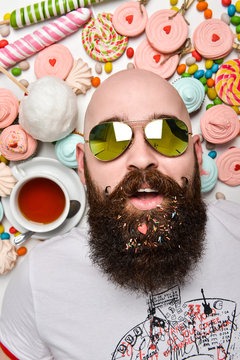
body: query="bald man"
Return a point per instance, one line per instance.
(154, 276)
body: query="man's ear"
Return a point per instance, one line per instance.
(80, 162)
(198, 149)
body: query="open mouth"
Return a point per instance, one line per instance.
(146, 199)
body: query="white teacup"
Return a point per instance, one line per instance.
(39, 203)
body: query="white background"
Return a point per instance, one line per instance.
(74, 44)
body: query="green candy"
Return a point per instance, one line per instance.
(203, 80)
(217, 101)
(219, 61)
(206, 88)
(209, 106)
(238, 29)
(235, 20)
(186, 74)
(16, 71)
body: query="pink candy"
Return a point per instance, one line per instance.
(45, 36)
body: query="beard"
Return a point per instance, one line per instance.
(147, 250)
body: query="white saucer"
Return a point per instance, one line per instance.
(69, 178)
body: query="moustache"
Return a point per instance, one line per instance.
(151, 178)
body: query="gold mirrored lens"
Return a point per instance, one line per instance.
(168, 136)
(109, 140)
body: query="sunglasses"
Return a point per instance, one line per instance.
(109, 140)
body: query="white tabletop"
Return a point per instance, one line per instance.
(74, 44)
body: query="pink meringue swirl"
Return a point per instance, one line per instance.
(228, 164)
(219, 124)
(9, 106)
(16, 144)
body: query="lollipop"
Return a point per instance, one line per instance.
(219, 124)
(227, 82)
(9, 105)
(228, 164)
(150, 59)
(166, 31)
(129, 19)
(56, 60)
(45, 36)
(44, 10)
(209, 173)
(101, 41)
(213, 39)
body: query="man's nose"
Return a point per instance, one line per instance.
(141, 155)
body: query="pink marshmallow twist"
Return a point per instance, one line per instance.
(45, 36)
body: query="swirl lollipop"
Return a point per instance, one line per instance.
(209, 173)
(219, 124)
(228, 164)
(166, 31)
(9, 105)
(150, 59)
(213, 39)
(101, 41)
(227, 82)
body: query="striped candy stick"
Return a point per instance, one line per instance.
(44, 10)
(45, 36)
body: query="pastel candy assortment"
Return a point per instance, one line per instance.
(166, 31)
(209, 175)
(66, 149)
(56, 60)
(227, 82)
(150, 59)
(43, 37)
(9, 105)
(219, 124)
(191, 91)
(16, 144)
(228, 164)
(101, 41)
(129, 19)
(44, 10)
(213, 39)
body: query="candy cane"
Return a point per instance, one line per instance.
(44, 10)
(45, 36)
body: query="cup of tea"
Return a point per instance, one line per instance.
(40, 202)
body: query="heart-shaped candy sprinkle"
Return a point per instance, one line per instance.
(237, 167)
(129, 19)
(142, 228)
(157, 58)
(215, 37)
(167, 29)
(52, 62)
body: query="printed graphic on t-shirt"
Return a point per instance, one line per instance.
(200, 329)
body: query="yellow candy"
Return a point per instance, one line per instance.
(237, 5)
(208, 64)
(108, 67)
(6, 16)
(1, 228)
(235, 108)
(238, 37)
(17, 233)
(175, 8)
(211, 93)
(173, 2)
(192, 69)
(4, 160)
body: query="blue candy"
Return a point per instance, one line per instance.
(5, 236)
(214, 68)
(198, 74)
(231, 10)
(208, 74)
(212, 154)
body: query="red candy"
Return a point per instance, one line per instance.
(3, 43)
(12, 230)
(226, 2)
(130, 52)
(196, 55)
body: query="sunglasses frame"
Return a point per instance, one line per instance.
(132, 137)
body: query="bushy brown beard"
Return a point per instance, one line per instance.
(173, 243)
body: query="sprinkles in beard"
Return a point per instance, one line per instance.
(146, 250)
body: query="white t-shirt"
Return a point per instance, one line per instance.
(59, 306)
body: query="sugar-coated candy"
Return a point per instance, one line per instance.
(237, 5)
(22, 251)
(185, 74)
(210, 82)
(209, 106)
(1, 228)
(212, 154)
(130, 52)
(16, 71)
(5, 236)
(192, 69)
(6, 16)
(202, 5)
(98, 68)
(5, 30)
(181, 69)
(225, 18)
(95, 81)
(211, 93)
(208, 14)
(231, 10)
(190, 60)
(217, 101)
(24, 65)
(24, 82)
(173, 2)
(12, 230)
(3, 43)
(203, 80)
(130, 66)
(17, 233)
(220, 195)
(196, 54)
(108, 67)
(219, 61)
(215, 68)
(208, 64)
(235, 20)
(236, 109)
(226, 2)
(208, 74)
(198, 74)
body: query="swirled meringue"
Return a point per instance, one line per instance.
(79, 77)
(16, 144)
(7, 180)
(209, 173)
(191, 91)
(228, 164)
(9, 106)
(66, 149)
(219, 124)
(8, 256)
